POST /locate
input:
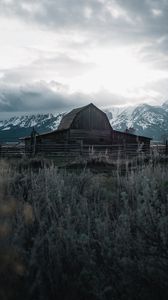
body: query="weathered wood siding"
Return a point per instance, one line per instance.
(91, 126)
(91, 118)
(53, 137)
(90, 136)
(123, 138)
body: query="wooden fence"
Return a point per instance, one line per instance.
(73, 150)
(12, 151)
(88, 150)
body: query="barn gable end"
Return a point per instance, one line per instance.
(85, 118)
(87, 125)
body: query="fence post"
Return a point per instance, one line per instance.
(33, 142)
(81, 147)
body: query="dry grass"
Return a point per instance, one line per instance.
(79, 235)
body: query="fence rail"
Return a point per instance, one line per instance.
(61, 150)
(12, 151)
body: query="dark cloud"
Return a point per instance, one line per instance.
(105, 21)
(35, 98)
(150, 16)
(114, 22)
(100, 22)
(41, 98)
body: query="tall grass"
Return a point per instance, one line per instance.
(68, 235)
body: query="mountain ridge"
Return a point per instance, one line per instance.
(147, 120)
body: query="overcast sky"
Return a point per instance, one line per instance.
(58, 54)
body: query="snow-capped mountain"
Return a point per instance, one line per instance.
(14, 128)
(147, 120)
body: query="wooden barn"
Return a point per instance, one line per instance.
(87, 125)
(130, 141)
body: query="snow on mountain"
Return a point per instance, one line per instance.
(113, 111)
(124, 114)
(49, 120)
(16, 127)
(56, 122)
(147, 120)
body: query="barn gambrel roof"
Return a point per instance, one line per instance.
(69, 118)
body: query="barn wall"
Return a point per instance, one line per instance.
(90, 136)
(122, 138)
(91, 118)
(131, 141)
(53, 137)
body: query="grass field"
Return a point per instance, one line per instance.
(83, 232)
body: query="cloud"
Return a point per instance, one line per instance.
(107, 21)
(48, 97)
(37, 98)
(57, 40)
(95, 22)
(49, 68)
(54, 96)
(92, 15)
